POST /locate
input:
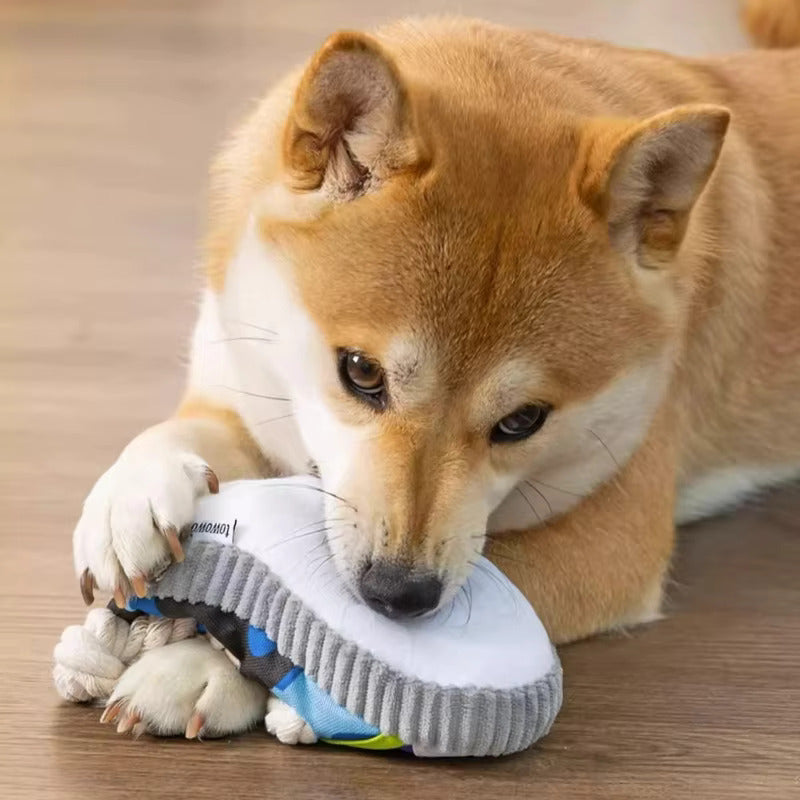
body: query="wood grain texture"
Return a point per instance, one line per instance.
(109, 112)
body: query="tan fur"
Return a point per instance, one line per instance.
(222, 439)
(504, 193)
(772, 23)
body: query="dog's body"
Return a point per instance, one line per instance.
(430, 244)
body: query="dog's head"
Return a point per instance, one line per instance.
(485, 291)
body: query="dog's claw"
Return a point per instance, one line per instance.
(128, 722)
(110, 713)
(212, 480)
(87, 585)
(139, 585)
(138, 729)
(119, 597)
(195, 725)
(174, 544)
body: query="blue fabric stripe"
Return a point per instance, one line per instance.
(144, 604)
(327, 719)
(284, 682)
(258, 643)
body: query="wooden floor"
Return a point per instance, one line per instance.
(109, 112)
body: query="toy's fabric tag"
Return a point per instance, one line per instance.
(218, 531)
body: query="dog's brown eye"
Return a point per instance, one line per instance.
(524, 422)
(363, 376)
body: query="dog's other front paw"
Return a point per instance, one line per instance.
(185, 688)
(285, 723)
(131, 521)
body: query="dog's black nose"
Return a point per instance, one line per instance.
(397, 591)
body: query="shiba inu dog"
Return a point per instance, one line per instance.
(505, 291)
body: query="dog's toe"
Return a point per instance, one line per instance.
(286, 724)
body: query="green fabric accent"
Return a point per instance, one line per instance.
(383, 741)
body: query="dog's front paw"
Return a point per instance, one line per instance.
(185, 688)
(285, 723)
(133, 516)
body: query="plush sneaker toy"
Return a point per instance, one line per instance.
(479, 677)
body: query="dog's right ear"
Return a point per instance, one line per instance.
(350, 126)
(644, 177)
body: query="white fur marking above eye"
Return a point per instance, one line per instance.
(411, 369)
(506, 388)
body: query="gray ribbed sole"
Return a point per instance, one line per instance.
(472, 721)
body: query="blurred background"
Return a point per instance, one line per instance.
(109, 114)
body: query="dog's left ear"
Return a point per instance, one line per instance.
(644, 178)
(350, 125)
